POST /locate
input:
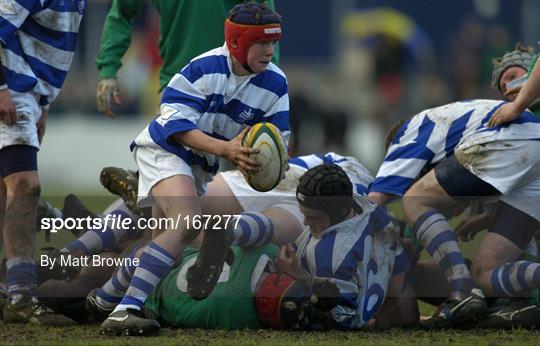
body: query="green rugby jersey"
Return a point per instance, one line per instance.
(229, 306)
(188, 28)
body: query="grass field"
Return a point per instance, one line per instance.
(89, 334)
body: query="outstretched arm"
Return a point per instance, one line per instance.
(527, 95)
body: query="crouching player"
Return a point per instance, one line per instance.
(205, 112)
(348, 270)
(354, 245)
(470, 160)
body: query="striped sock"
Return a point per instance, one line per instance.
(155, 262)
(21, 277)
(435, 234)
(253, 229)
(514, 278)
(107, 237)
(110, 294)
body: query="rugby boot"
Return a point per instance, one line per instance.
(129, 322)
(458, 313)
(75, 209)
(123, 183)
(519, 313)
(203, 275)
(97, 311)
(29, 310)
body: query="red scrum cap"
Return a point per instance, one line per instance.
(247, 24)
(279, 301)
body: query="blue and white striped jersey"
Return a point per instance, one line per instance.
(359, 175)
(206, 95)
(359, 255)
(433, 134)
(38, 39)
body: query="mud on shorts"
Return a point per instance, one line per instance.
(156, 164)
(19, 142)
(510, 169)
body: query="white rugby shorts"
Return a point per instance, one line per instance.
(24, 131)
(512, 167)
(156, 164)
(282, 196)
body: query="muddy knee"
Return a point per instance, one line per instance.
(23, 184)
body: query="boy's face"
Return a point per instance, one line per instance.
(509, 75)
(260, 54)
(316, 220)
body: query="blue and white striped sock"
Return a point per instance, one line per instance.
(21, 277)
(435, 234)
(155, 262)
(111, 293)
(512, 279)
(253, 229)
(105, 238)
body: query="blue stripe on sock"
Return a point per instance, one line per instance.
(246, 232)
(106, 234)
(108, 298)
(418, 223)
(536, 276)
(506, 271)
(262, 230)
(21, 277)
(129, 300)
(161, 250)
(129, 270)
(153, 265)
(142, 284)
(495, 282)
(439, 240)
(116, 283)
(450, 260)
(521, 274)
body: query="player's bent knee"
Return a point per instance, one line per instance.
(411, 206)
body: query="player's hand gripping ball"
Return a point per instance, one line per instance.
(272, 156)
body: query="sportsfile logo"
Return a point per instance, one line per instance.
(269, 31)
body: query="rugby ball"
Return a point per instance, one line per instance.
(272, 156)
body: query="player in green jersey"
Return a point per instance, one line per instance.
(187, 29)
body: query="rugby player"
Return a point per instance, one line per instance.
(36, 56)
(470, 160)
(205, 112)
(527, 97)
(181, 24)
(229, 194)
(250, 292)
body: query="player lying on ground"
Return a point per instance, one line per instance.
(228, 193)
(281, 300)
(471, 161)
